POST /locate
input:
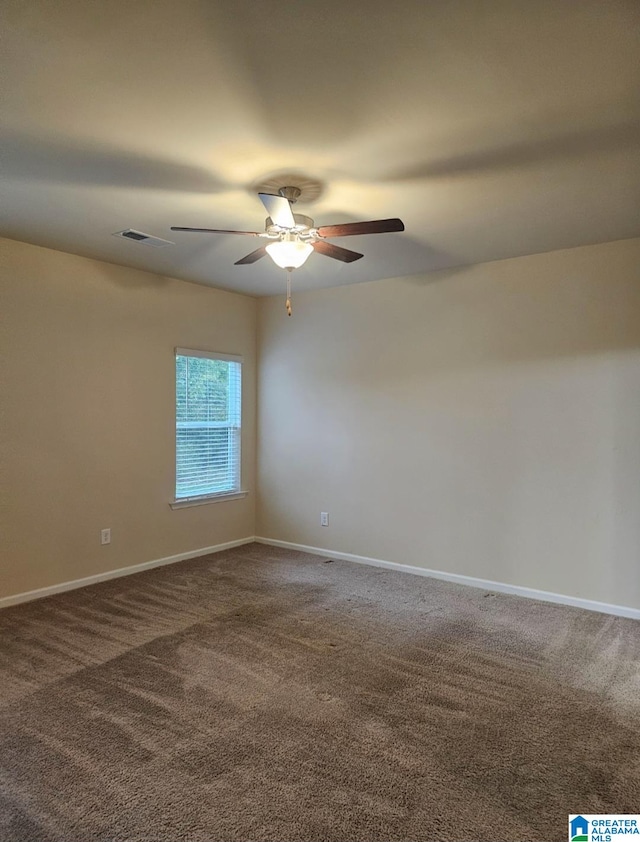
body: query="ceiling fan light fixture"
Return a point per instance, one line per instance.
(289, 253)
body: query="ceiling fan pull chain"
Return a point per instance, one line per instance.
(288, 301)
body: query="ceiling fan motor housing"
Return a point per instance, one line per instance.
(303, 227)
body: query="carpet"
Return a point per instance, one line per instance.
(266, 694)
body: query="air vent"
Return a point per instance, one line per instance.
(141, 237)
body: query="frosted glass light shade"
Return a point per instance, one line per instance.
(289, 254)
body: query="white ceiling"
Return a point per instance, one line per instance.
(493, 128)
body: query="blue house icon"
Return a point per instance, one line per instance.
(579, 829)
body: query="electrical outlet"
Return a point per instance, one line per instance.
(105, 536)
(324, 518)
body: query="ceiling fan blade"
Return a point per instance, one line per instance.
(252, 257)
(278, 209)
(348, 229)
(337, 252)
(215, 231)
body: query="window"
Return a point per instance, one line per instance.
(208, 409)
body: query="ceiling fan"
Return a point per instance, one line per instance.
(293, 236)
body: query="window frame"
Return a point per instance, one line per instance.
(211, 497)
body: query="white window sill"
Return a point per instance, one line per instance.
(207, 498)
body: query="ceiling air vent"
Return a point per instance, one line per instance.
(141, 237)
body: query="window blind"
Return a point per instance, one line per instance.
(208, 423)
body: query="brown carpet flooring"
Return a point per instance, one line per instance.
(265, 694)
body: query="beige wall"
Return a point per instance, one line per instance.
(483, 421)
(88, 397)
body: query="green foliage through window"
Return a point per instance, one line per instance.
(207, 425)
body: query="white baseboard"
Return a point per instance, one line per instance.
(27, 596)
(486, 584)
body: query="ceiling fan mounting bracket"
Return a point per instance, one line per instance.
(310, 189)
(290, 193)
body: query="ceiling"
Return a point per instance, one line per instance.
(493, 128)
